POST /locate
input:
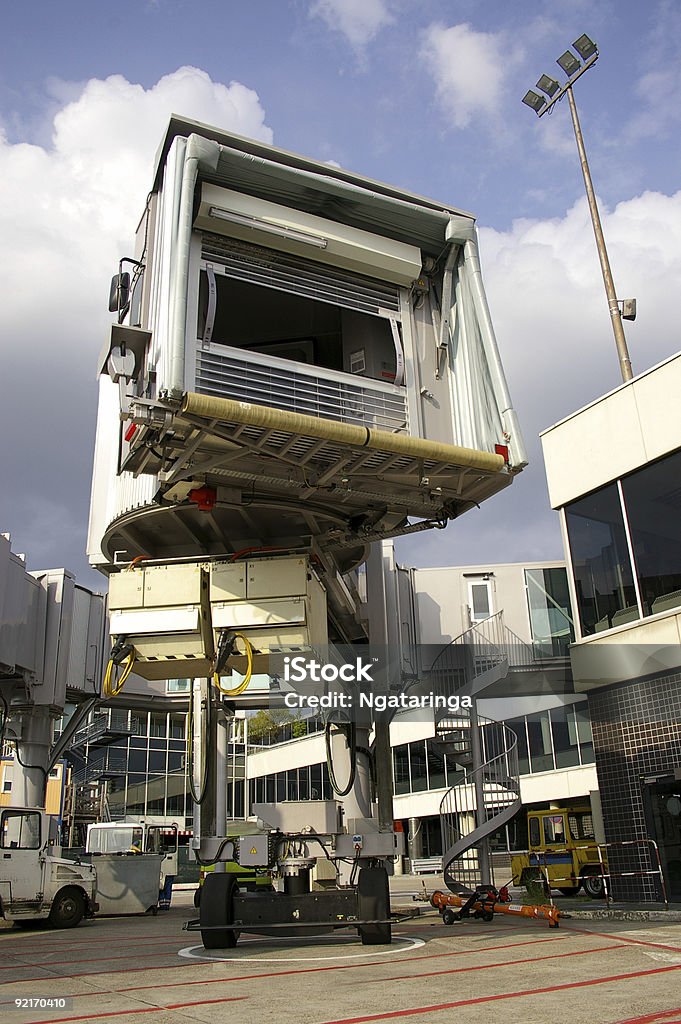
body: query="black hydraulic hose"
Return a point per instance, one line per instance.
(350, 738)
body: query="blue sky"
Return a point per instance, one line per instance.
(424, 96)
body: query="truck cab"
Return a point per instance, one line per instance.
(143, 836)
(36, 885)
(562, 851)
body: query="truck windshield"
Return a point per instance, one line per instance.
(554, 829)
(114, 840)
(20, 830)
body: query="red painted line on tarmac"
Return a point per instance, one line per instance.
(435, 1008)
(501, 963)
(296, 970)
(653, 1018)
(621, 938)
(302, 970)
(150, 1009)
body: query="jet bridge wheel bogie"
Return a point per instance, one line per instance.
(373, 903)
(217, 909)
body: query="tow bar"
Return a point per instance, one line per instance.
(485, 902)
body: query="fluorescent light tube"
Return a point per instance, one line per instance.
(272, 229)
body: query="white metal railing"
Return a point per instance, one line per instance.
(296, 387)
(642, 849)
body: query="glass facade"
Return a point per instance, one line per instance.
(607, 569)
(144, 769)
(604, 579)
(308, 783)
(548, 740)
(551, 623)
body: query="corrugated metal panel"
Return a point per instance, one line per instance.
(133, 492)
(307, 278)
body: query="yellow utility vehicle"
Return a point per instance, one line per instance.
(562, 850)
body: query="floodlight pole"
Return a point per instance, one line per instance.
(613, 305)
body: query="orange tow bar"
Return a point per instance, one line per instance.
(485, 906)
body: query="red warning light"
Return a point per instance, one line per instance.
(204, 498)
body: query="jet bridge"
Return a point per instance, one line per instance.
(301, 355)
(302, 364)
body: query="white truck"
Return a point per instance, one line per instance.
(35, 884)
(145, 835)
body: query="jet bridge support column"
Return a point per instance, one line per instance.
(34, 729)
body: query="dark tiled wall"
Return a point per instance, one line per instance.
(637, 732)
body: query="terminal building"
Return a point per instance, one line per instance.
(613, 470)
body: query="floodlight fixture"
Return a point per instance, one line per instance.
(548, 85)
(585, 47)
(534, 100)
(569, 63)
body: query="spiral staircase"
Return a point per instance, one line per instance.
(485, 792)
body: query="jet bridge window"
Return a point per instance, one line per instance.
(20, 830)
(277, 305)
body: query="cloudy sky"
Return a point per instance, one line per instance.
(425, 96)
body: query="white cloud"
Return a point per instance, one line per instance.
(553, 327)
(359, 20)
(468, 68)
(68, 212)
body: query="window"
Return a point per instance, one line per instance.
(7, 786)
(115, 839)
(20, 830)
(534, 832)
(158, 725)
(177, 726)
(138, 723)
(274, 304)
(652, 498)
(417, 756)
(554, 829)
(518, 727)
(551, 622)
(586, 744)
(436, 767)
(604, 575)
(600, 559)
(564, 730)
(539, 733)
(401, 768)
(178, 686)
(480, 599)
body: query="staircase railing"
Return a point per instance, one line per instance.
(495, 785)
(482, 797)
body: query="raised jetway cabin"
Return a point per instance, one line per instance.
(302, 360)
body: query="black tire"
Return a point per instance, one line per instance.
(570, 891)
(68, 908)
(217, 908)
(448, 916)
(197, 896)
(373, 901)
(593, 885)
